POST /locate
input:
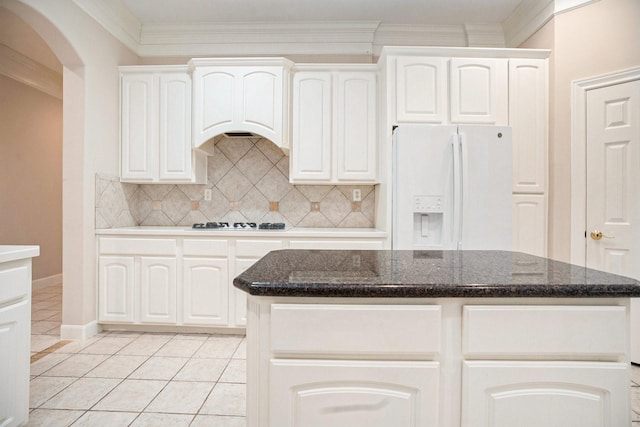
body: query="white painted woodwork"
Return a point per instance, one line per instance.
(517, 331)
(231, 97)
(355, 144)
(15, 341)
(137, 246)
(138, 127)
(336, 244)
(205, 287)
(530, 224)
(175, 127)
(478, 90)
(547, 361)
(613, 178)
(158, 292)
(528, 99)
(310, 393)
(239, 297)
(355, 331)
(257, 248)
(155, 127)
(550, 394)
(421, 89)
(334, 125)
(208, 247)
(312, 124)
(116, 289)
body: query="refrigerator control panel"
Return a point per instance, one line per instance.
(428, 204)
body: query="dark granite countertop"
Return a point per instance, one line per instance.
(429, 274)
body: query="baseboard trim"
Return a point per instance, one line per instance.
(79, 332)
(43, 282)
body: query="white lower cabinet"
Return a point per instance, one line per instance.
(205, 291)
(158, 290)
(15, 341)
(116, 289)
(316, 393)
(239, 297)
(550, 394)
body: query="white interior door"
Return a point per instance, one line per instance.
(613, 187)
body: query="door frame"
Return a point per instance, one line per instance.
(579, 89)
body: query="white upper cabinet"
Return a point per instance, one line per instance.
(241, 95)
(155, 127)
(421, 89)
(334, 125)
(479, 91)
(356, 126)
(311, 153)
(528, 118)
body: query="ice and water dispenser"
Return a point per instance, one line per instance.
(428, 220)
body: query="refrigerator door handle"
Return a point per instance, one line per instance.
(456, 218)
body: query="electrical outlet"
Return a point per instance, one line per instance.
(207, 194)
(357, 195)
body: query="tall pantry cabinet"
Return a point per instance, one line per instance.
(504, 87)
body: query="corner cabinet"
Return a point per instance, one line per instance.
(155, 127)
(234, 94)
(334, 125)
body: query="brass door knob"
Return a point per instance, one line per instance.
(597, 235)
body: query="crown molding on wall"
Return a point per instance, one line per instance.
(531, 15)
(116, 18)
(15, 65)
(314, 38)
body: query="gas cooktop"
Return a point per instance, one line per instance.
(239, 226)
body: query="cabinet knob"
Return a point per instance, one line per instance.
(597, 235)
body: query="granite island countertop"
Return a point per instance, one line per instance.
(425, 274)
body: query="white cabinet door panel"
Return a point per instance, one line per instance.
(262, 100)
(139, 111)
(14, 353)
(528, 97)
(240, 297)
(309, 393)
(479, 90)
(550, 394)
(421, 90)
(530, 224)
(215, 91)
(312, 123)
(355, 127)
(158, 290)
(205, 291)
(116, 289)
(175, 126)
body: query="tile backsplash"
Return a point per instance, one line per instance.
(249, 182)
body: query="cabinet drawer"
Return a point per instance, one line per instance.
(256, 248)
(336, 244)
(376, 331)
(205, 247)
(127, 246)
(544, 331)
(15, 281)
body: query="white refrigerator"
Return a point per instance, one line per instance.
(452, 187)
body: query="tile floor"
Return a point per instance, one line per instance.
(144, 379)
(132, 379)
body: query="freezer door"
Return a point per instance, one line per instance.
(486, 168)
(423, 187)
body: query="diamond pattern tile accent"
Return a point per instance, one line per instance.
(274, 186)
(294, 206)
(247, 178)
(234, 148)
(217, 166)
(254, 165)
(253, 205)
(176, 205)
(234, 185)
(335, 206)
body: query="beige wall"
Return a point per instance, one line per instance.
(596, 39)
(31, 173)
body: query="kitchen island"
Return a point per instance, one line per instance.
(434, 338)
